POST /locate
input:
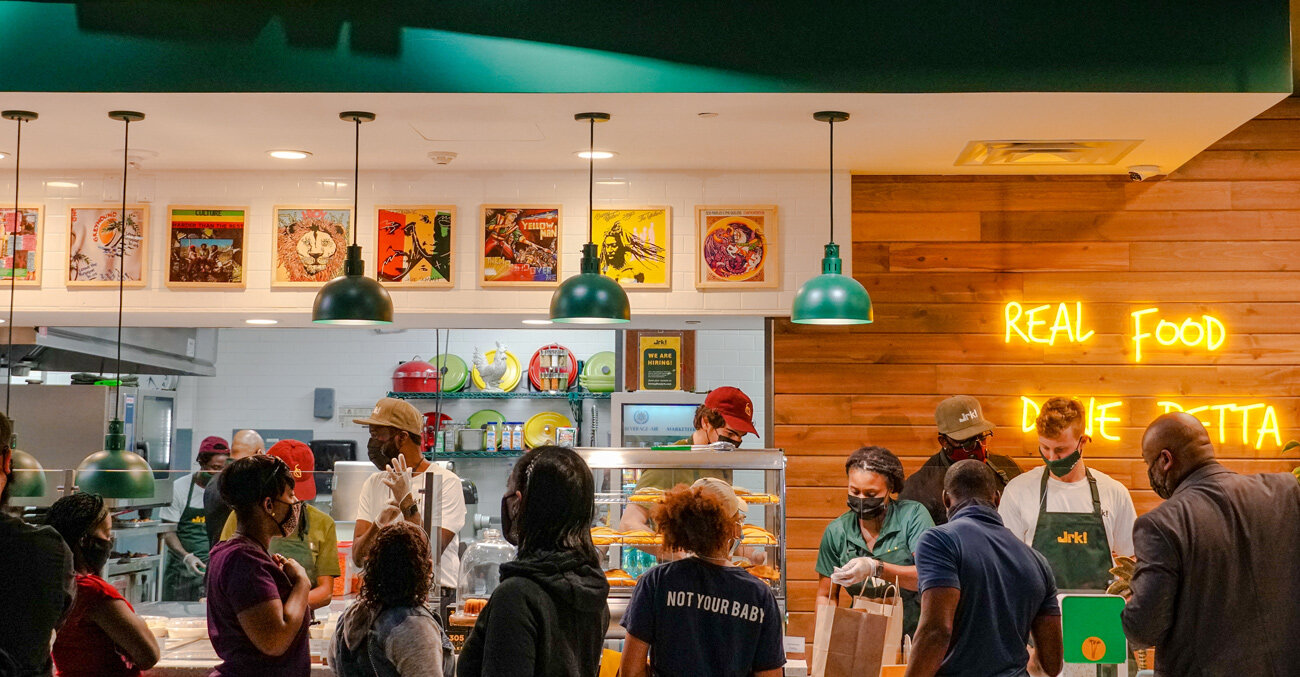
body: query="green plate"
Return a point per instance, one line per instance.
(598, 373)
(456, 373)
(484, 417)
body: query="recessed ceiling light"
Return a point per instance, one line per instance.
(692, 322)
(537, 321)
(707, 115)
(595, 154)
(62, 184)
(288, 154)
(612, 181)
(261, 321)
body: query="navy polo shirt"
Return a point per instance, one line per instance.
(1004, 586)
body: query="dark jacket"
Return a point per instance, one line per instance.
(548, 618)
(925, 486)
(390, 643)
(38, 567)
(215, 509)
(1217, 579)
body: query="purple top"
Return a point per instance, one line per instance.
(242, 575)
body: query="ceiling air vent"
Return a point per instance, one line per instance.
(1040, 153)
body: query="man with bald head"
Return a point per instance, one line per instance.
(245, 443)
(1217, 578)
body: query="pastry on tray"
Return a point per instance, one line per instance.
(473, 606)
(640, 537)
(647, 495)
(756, 535)
(755, 499)
(618, 578)
(765, 572)
(604, 536)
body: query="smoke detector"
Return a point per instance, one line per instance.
(1045, 152)
(442, 157)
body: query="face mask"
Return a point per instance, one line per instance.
(289, 524)
(95, 551)
(508, 521)
(1160, 485)
(735, 543)
(381, 452)
(961, 453)
(204, 477)
(733, 441)
(867, 507)
(1062, 466)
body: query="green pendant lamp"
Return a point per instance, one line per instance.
(114, 472)
(353, 299)
(832, 298)
(28, 478)
(589, 297)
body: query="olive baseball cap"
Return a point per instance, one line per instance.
(722, 491)
(961, 418)
(394, 413)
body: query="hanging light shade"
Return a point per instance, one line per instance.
(589, 297)
(353, 299)
(832, 297)
(113, 472)
(28, 478)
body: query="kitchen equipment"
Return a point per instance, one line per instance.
(471, 439)
(349, 476)
(544, 428)
(455, 373)
(433, 422)
(485, 417)
(512, 374)
(416, 376)
(553, 368)
(598, 374)
(480, 569)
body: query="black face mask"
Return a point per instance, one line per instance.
(508, 521)
(95, 551)
(1160, 485)
(734, 442)
(867, 507)
(381, 453)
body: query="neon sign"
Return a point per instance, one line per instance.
(1268, 424)
(1257, 419)
(1030, 326)
(1207, 332)
(1098, 417)
(1013, 312)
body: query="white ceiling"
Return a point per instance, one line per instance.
(888, 133)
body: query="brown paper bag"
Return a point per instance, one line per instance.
(821, 639)
(857, 642)
(890, 606)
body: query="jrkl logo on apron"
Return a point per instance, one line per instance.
(1074, 543)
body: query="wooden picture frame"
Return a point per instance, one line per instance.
(205, 241)
(423, 249)
(635, 242)
(723, 260)
(86, 263)
(506, 252)
(31, 245)
(632, 357)
(316, 231)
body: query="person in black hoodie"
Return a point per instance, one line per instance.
(548, 616)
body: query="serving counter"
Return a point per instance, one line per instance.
(191, 655)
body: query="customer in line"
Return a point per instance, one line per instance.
(983, 591)
(187, 560)
(257, 603)
(38, 566)
(1215, 589)
(964, 433)
(548, 616)
(388, 631)
(245, 443)
(315, 544)
(701, 616)
(102, 636)
(876, 538)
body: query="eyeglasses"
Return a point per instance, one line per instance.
(973, 443)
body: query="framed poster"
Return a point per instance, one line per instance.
(659, 360)
(95, 241)
(205, 247)
(520, 245)
(635, 246)
(413, 245)
(20, 250)
(309, 244)
(736, 247)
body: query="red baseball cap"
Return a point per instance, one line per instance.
(302, 463)
(735, 406)
(214, 445)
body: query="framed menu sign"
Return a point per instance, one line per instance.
(659, 360)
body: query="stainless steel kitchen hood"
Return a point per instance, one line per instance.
(145, 350)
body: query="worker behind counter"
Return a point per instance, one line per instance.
(245, 443)
(183, 577)
(963, 434)
(314, 543)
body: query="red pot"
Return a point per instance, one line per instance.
(416, 376)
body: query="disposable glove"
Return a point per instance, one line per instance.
(854, 571)
(194, 564)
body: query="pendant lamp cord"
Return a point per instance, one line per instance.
(832, 177)
(13, 268)
(122, 220)
(591, 184)
(356, 174)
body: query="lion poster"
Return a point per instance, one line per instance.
(20, 249)
(310, 245)
(635, 246)
(413, 245)
(103, 253)
(205, 247)
(521, 245)
(736, 247)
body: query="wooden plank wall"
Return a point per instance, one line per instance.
(942, 255)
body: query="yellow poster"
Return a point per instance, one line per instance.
(660, 358)
(635, 246)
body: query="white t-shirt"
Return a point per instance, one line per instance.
(181, 487)
(1021, 499)
(375, 495)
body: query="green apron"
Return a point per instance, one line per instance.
(179, 585)
(297, 548)
(1074, 543)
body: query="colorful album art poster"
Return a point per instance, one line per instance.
(414, 245)
(20, 250)
(635, 246)
(736, 247)
(521, 245)
(205, 247)
(95, 246)
(309, 245)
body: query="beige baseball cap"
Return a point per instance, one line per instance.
(722, 491)
(961, 418)
(394, 413)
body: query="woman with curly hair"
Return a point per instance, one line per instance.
(388, 631)
(102, 636)
(702, 616)
(548, 617)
